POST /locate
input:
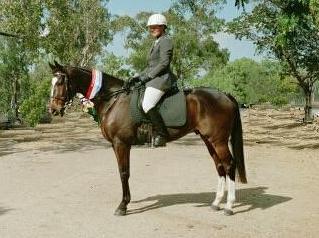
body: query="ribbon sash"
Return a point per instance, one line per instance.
(95, 85)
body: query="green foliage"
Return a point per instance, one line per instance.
(13, 76)
(287, 30)
(77, 30)
(73, 32)
(251, 82)
(314, 8)
(33, 108)
(191, 25)
(24, 19)
(5, 100)
(115, 66)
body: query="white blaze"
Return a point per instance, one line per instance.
(53, 82)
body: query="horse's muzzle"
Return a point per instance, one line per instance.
(59, 111)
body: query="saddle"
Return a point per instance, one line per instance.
(172, 107)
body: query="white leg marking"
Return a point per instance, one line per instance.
(53, 82)
(220, 191)
(231, 195)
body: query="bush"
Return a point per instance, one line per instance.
(251, 82)
(34, 108)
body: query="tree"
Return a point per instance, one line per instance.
(23, 19)
(287, 30)
(13, 75)
(76, 31)
(9, 35)
(115, 66)
(251, 82)
(241, 3)
(73, 32)
(20, 21)
(192, 25)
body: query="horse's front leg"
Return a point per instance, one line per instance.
(122, 152)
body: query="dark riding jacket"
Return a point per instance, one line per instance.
(158, 70)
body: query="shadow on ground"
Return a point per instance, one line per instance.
(253, 198)
(190, 139)
(4, 210)
(59, 145)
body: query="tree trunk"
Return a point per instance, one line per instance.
(14, 99)
(308, 106)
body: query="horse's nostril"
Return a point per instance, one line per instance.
(53, 112)
(62, 112)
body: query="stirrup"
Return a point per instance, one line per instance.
(159, 141)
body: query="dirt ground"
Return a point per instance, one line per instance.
(61, 180)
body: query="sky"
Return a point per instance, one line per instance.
(237, 48)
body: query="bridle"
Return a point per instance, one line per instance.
(67, 100)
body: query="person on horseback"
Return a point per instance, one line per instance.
(158, 76)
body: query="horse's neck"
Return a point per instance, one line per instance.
(83, 78)
(111, 84)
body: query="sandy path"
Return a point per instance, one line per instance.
(69, 188)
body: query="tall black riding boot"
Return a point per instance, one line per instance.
(161, 133)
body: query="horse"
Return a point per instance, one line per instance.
(211, 114)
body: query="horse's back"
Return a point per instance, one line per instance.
(211, 98)
(209, 110)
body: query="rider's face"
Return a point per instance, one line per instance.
(156, 30)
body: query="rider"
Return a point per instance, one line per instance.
(157, 76)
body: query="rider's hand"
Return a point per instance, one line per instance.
(144, 78)
(139, 84)
(129, 83)
(134, 80)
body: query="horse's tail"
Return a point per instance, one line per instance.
(237, 144)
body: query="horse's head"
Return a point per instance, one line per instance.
(61, 93)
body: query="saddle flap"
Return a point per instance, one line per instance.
(172, 108)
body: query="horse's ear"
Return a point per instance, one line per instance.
(59, 66)
(52, 66)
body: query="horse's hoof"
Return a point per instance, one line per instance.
(228, 212)
(214, 207)
(120, 212)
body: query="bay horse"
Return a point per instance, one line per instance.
(212, 114)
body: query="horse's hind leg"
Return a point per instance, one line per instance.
(122, 152)
(226, 170)
(221, 175)
(229, 166)
(219, 193)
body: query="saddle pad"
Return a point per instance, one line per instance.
(172, 109)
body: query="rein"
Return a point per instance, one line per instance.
(102, 96)
(109, 96)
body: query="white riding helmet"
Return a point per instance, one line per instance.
(157, 19)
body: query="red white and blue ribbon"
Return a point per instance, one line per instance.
(95, 85)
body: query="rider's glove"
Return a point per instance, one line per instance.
(145, 78)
